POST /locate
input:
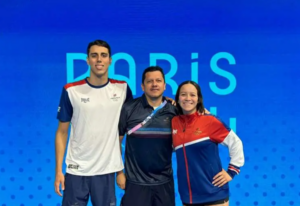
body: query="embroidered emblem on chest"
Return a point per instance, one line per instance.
(115, 97)
(198, 131)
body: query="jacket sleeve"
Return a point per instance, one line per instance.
(222, 134)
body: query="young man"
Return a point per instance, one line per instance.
(148, 153)
(92, 106)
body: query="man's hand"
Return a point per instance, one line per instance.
(59, 180)
(171, 100)
(221, 178)
(121, 180)
(206, 111)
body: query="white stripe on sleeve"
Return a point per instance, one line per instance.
(235, 146)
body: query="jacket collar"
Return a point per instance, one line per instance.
(190, 117)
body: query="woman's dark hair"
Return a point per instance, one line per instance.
(200, 105)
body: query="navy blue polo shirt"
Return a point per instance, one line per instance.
(148, 152)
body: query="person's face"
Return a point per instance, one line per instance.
(99, 60)
(154, 84)
(188, 99)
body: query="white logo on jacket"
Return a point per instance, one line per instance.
(174, 131)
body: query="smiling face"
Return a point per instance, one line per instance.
(99, 61)
(188, 99)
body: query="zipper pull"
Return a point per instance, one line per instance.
(183, 129)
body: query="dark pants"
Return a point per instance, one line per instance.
(153, 195)
(78, 189)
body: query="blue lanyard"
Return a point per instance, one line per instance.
(147, 118)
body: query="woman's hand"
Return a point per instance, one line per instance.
(221, 178)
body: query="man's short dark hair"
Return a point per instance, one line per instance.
(152, 69)
(98, 43)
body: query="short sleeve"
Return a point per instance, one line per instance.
(65, 108)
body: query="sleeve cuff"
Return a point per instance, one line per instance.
(233, 170)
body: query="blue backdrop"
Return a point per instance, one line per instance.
(244, 55)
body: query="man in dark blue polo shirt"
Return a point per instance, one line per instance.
(148, 153)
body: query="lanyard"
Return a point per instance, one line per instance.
(147, 118)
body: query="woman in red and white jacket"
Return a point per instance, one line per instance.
(196, 135)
